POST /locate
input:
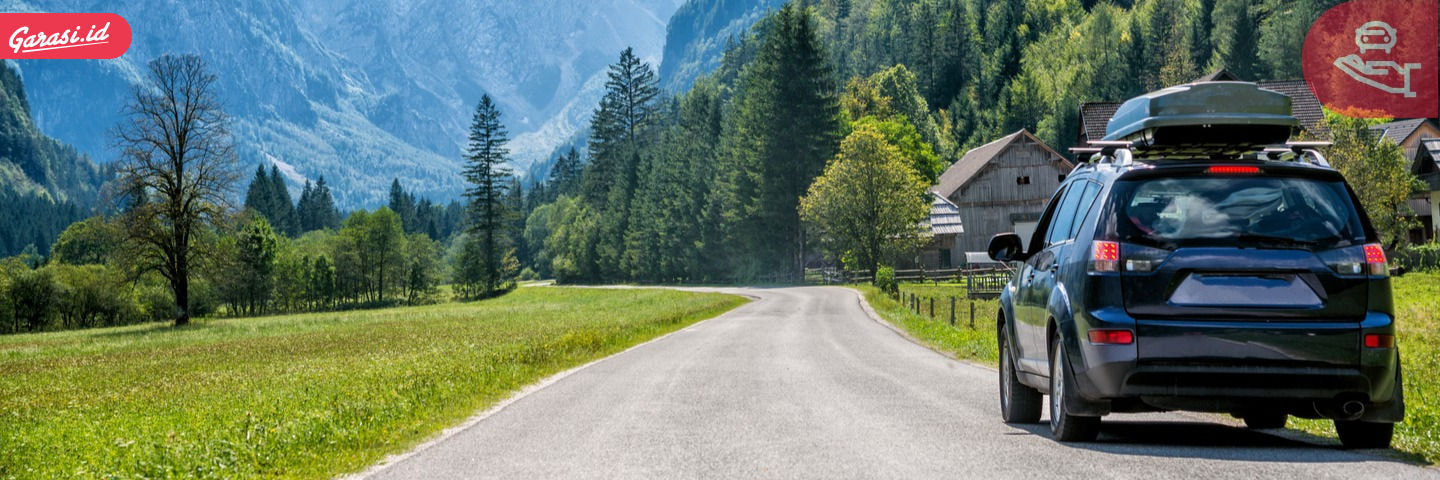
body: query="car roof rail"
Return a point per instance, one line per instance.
(1303, 152)
(1107, 151)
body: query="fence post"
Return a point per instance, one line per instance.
(932, 307)
(952, 311)
(972, 314)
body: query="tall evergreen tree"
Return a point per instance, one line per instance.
(403, 204)
(488, 253)
(257, 196)
(282, 211)
(565, 174)
(784, 128)
(326, 215)
(625, 113)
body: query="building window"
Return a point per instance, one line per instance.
(1025, 180)
(945, 258)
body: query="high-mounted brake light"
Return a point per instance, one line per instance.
(1106, 257)
(1379, 340)
(1375, 259)
(1233, 170)
(1111, 337)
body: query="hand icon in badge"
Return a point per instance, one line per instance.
(1387, 75)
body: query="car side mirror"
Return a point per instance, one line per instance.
(1006, 247)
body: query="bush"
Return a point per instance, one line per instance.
(1418, 258)
(93, 296)
(527, 275)
(885, 281)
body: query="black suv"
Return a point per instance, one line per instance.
(1226, 283)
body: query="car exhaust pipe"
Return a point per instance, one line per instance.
(1340, 409)
(1353, 409)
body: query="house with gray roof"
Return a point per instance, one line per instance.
(1000, 187)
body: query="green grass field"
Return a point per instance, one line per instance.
(299, 396)
(1417, 306)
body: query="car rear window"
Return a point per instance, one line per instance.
(1261, 211)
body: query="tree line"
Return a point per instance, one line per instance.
(174, 247)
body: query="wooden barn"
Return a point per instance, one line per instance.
(1002, 186)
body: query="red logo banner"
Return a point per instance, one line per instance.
(1376, 58)
(64, 35)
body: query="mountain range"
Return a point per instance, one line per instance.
(358, 92)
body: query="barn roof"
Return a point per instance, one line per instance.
(1399, 130)
(944, 216)
(1094, 116)
(975, 160)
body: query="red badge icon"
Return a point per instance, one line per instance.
(1376, 58)
(64, 35)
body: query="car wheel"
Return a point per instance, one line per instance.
(1358, 434)
(1266, 420)
(1018, 402)
(1064, 426)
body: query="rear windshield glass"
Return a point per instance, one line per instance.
(1251, 211)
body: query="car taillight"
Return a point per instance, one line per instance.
(1111, 337)
(1375, 260)
(1360, 260)
(1379, 340)
(1233, 170)
(1106, 257)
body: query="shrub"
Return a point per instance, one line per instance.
(1419, 258)
(885, 281)
(528, 274)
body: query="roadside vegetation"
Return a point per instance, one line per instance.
(1417, 301)
(299, 396)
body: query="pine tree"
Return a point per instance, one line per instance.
(488, 176)
(326, 215)
(403, 204)
(565, 174)
(784, 129)
(282, 212)
(1236, 37)
(625, 113)
(257, 196)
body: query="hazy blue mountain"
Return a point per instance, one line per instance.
(359, 92)
(698, 33)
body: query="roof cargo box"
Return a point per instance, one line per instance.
(1204, 113)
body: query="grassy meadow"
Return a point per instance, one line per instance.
(299, 396)
(1417, 306)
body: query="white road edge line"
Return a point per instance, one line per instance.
(395, 458)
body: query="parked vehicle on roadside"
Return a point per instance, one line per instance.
(1199, 262)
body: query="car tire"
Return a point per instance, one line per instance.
(1018, 403)
(1064, 426)
(1358, 434)
(1265, 420)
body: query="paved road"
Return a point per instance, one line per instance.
(801, 383)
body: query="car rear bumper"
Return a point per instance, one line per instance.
(1233, 378)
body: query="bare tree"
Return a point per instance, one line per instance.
(177, 167)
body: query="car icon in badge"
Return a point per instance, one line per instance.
(1375, 35)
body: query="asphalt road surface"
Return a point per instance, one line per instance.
(802, 383)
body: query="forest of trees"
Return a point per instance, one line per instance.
(704, 185)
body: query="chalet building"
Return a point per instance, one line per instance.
(1420, 138)
(1000, 187)
(945, 228)
(1095, 115)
